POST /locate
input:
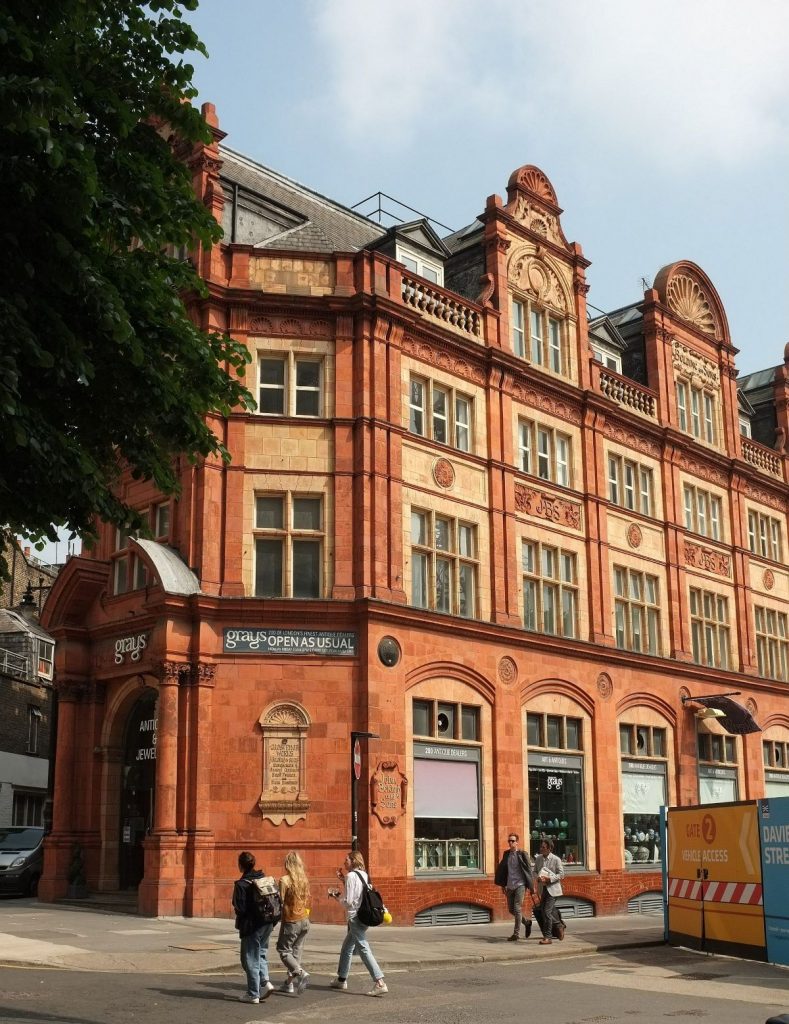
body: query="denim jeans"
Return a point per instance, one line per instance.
(254, 958)
(356, 941)
(290, 943)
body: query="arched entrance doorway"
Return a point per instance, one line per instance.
(138, 778)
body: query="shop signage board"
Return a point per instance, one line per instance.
(774, 834)
(715, 879)
(323, 643)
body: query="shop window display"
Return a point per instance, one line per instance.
(643, 791)
(556, 785)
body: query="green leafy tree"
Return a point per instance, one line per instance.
(100, 365)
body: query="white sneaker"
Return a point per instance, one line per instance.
(287, 988)
(341, 985)
(247, 998)
(379, 988)
(266, 990)
(301, 981)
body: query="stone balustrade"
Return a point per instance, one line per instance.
(762, 457)
(627, 393)
(441, 305)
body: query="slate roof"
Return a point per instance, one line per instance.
(464, 236)
(759, 379)
(329, 226)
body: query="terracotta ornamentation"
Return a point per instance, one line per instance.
(706, 558)
(546, 506)
(388, 792)
(768, 579)
(508, 671)
(284, 798)
(605, 686)
(444, 473)
(634, 535)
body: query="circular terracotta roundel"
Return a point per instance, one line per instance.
(768, 579)
(605, 686)
(389, 651)
(444, 473)
(634, 535)
(508, 671)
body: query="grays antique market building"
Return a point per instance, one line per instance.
(502, 534)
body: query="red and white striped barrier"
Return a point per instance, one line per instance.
(743, 893)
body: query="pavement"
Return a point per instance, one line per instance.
(43, 935)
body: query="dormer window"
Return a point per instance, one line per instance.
(745, 427)
(608, 359)
(416, 264)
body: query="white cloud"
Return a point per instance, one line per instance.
(682, 83)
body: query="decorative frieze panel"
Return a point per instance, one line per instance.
(705, 558)
(289, 327)
(546, 506)
(529, 395)
(442, 358)
(284, 797)
(629, 438)
(702, 470)
(700, 372)
(765, 497)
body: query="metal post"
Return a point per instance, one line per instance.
(356, 766)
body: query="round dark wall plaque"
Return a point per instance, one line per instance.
(389, 651)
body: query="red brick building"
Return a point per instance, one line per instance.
(503, 535)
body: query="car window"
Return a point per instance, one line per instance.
(20, 838)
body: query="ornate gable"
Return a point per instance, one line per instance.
(531, 200)
(691, 297)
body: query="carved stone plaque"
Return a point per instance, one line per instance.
(388, 792)
(284, 747)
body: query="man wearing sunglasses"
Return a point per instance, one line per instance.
(514, 876)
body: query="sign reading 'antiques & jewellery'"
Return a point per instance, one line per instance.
(323, 643)
(130, 647)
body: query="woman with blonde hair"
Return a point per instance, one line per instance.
(356, 938)
(294, 891)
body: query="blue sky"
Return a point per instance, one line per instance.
(663, 128)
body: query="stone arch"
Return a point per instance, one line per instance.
(691, 296)
(564, 687)
(451, 670)
(777, 720)
(650, 700)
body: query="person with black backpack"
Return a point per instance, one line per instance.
(257, 912)
(358, 898)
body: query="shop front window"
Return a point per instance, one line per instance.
(644, 772)
(556, 809)
(643, 794)
(776, 768)
(446, 808)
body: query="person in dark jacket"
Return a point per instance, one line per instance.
(514, 876)
(254, 934)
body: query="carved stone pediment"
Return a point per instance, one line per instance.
(537, 279)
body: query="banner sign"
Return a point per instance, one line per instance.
(774, 834)
(323, 643)
(715, 896)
